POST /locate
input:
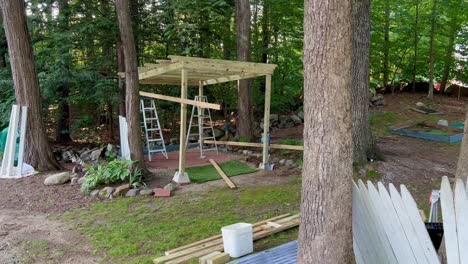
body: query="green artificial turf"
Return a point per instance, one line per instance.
(209, 173)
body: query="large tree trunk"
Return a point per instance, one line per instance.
(362, 138)
(37, 150)
(448, 57)
(325, 233)
(132, 98)
(63, 115)
(462, 166)
(386, 44)
(416, 40)
(121, 68)
(431, 52)
(245, 115)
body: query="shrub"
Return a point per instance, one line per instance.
(118, 170)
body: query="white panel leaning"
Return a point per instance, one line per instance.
(387, 227)
(124, 147)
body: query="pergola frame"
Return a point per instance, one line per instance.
(190, 71)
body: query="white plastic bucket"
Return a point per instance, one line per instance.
(237, 239)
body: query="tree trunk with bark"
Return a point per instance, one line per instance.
(132, 97)
(416, 40)
(325, 233)
(386, 44)
(121, 68)
(63, 115)
(364, 148)
(462, 166)
(37, 150)
(245, 115)
(448, 57)
(431, 51)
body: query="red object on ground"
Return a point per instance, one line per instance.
(160, 192)
(192, 159)
(437, 86)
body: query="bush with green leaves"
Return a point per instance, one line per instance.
(118, 170)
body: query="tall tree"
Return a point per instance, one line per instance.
(386, 51)
(462, 165)
(416, 40)
(245, 115)
(431, 51)
(132, 96)
(325, 234)
(362, 137)
(37, 150)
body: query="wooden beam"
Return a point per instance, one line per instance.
(232, 78)
(160, 70)
(266, 120)
(228, 181)
(220, 258)
(181, 100)
(183, 122)
(254, 145)
(167, 81)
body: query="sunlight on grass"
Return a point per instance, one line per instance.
(136, 230)
(209, 173)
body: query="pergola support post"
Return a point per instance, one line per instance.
(181, 176)
(200, 112)
(266, 125)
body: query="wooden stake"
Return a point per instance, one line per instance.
(225, 177)
(183, 122)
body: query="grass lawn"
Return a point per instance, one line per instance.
(136, 230)
(209, 173)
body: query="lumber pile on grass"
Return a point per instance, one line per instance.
(206, 246)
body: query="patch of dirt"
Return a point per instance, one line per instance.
(27, 237)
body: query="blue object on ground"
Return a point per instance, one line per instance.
(423, 135)
(284, 254)
(457, 125)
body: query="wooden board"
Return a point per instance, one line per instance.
(254, 145)
(181, 100)
(450, 224)
(225, 177)
(220, 258)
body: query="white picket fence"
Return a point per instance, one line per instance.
(387, 227)
(8, 170)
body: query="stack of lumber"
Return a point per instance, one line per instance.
(387, 227)
(206, 246)
(455, 219)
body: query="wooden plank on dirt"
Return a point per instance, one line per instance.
(220, 258)
(203, 259)
(228, 181)
(449, 220)
(172, 251)
(181, 100)
(445, 128)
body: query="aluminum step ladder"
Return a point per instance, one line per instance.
(152, 128)
(201, 118)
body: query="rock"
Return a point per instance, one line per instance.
(81, 180)
(121, 190)
(274, 117)
(377, 100)
(132, 192)
(442, 122)
(218, 132)
(67, 156)
(74, 180)
(106, 192)
(300, 114)
(77, 169)
(58, 178)
(146, 192)
(420, 104)
(171, 187)
(245, 152)
(95, 154)
(111, 148)
(160, 192)
(94, 193)
(290, 163)
(282, 162)
(274, 160)
(173, 141)
(297, 120)
(85, 155)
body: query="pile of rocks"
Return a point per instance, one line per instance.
(85, 155)
(281, 121)
(377, 100)
(126, 190)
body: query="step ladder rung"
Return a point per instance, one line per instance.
(155, 139)
(209, 138)
(153, 129)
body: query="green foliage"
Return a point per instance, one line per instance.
(125, 230)
(209, 173)
(118, 170)
(291, 141)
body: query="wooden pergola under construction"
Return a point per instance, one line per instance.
(199, 72)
